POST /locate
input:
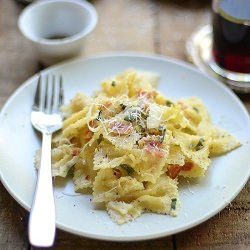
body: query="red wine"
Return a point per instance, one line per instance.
(231, 35)
(56, 37)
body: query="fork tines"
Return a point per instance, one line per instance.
(49, 93)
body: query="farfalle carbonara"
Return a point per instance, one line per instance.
(128, 144)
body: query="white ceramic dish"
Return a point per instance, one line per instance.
(68, 21)
(74, 212)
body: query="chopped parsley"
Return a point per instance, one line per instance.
(123, 106)
(173, 203)
(99, 116)
(196, 109)
(200, 144)
(139, 129)
(169, 103)
(100, 138)
(127, 167)
(131, 117)
(133, 114)
(162, 132)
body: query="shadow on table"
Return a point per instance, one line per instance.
(192, 4)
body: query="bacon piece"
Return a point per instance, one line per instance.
(153, 147)
(121, 128)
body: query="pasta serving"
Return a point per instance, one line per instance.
(128, 144)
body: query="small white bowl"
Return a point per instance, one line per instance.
(57, 28)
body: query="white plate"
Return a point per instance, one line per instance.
(75, 213)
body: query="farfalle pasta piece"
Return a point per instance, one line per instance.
(122, 212)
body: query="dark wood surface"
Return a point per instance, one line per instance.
(152, 26)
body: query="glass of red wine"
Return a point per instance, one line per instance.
(231, 39)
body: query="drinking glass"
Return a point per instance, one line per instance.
(231, 39)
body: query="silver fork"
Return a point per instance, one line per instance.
(46, 118)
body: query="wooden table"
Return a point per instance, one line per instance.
(152, 26)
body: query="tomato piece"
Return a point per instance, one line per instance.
(174, 170)
(187, 166)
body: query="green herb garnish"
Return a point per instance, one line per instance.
(127, 167)
(173, 203)
(139, 128)
(100, 138)
(169, 103)
(123, 106)
(133, 113)
(200, 144)
(162, 132)
(131, 117)
(196, 109)
(99, 116)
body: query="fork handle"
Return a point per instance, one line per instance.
(42, 214)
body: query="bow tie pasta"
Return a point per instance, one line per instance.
(128, 144)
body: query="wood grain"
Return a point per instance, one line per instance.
(152, 26)
(122, 26)
(18, 59)
(176, 21)
(13, 223)
(227, 230)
